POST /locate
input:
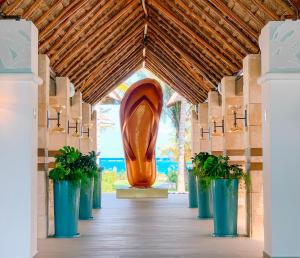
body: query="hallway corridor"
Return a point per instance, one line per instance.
(148, 229)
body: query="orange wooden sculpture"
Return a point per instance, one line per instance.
(139, 115)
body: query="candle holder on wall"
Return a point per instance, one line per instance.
(77, 132)
(215, 127)
(234, 110)
(204, 132)
(86, 134)
(58, 109)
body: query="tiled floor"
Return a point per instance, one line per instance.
(148, 229)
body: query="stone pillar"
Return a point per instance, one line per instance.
(43, 142)
(253, 144)
(203, 123)
(19, 134)
(75, 117)
(195, 133)
(85, 141)
(94, 132)
(280, 81)
(233, 140)
(215, 113)
(59, 139)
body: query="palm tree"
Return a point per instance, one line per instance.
(181, 143)
(177, 111)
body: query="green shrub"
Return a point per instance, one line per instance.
(172, 177)
(66, 165)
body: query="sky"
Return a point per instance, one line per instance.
(110, 138)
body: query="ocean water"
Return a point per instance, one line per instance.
(164, 165)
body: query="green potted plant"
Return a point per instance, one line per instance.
(66, 176)
(205, 207)
(225, 180)
(89, 168)
(97, 190)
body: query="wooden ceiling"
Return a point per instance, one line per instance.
(190, 44)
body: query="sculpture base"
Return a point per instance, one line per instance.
(137, 193)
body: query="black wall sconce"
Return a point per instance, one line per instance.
(235, 127)
(76, 127)
(58, 109)
(204, 132)
(86, 133)
(215, 127)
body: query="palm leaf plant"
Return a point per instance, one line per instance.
(204, 194)
(88, 164)
(225, 180)
(66, 176)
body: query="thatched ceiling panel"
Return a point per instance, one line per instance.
(191, 44)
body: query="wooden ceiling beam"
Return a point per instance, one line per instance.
(122, 76)
(211, 51)
(265, 9)
(230, 38)
(235, 29)
(198, 63)
(93, 38)
(182, 41)
(178, 69)
(39, 21)
(65, 26)
(183, 73)
(35, 5)
(110, 73)
(102, 87)
(72, 34)
(220, 39)
(253, 16)
(11, 8)
(89, 77)
(108, 70)
(163, 71)
(91, 53)
(190, 70)
(112, 54)
(63, 15)
(160, 73)
(174, 66)
(235, 18)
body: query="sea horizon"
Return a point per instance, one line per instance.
(164, 164)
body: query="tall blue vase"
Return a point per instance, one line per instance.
(86, 199)
(66, 208)
(225, 199)
(193, 202)
(205, 206)
(97, 191)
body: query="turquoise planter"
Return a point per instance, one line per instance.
(205, 206)
(86, 200)
(193, 202)
(66, 208)
(225, 199)
(97, 192)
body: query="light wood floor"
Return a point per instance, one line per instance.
(148, 229)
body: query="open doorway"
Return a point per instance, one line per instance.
(167, 147)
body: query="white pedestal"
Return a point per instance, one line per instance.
(137, 193)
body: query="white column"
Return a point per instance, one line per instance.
(280, 48)
(18, 137)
